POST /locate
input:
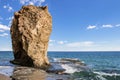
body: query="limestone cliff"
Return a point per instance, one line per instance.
(30, 31)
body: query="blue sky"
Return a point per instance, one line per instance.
(78, 25)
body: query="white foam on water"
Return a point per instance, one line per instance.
(6, 70)
(100, 77)
(107, 74)
(68, 68)
(59, 59)
(56, 59)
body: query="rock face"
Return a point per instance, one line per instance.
(30, 31)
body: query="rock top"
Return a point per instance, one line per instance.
(30, 31)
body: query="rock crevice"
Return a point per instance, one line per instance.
(30, 31)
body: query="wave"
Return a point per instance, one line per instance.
(80, 71)
(107, 74)
(70, 65)
(6, 70)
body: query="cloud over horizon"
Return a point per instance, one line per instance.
(79, 44)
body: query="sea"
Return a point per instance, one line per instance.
(103, 65)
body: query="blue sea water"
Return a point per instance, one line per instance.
(102, 62)
(95, 60)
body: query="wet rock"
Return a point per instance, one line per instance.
(27, 73)
(30, 31)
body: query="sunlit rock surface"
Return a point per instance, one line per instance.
(30, 31)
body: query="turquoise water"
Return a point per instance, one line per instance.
(102, 63)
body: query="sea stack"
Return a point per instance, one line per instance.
(30, 31)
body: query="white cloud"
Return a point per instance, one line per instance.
(10, 18)
(74, 44)
(32, 2)
(50, 44)
(9, 8)
(86, 46)
(51, 41)
(4, 6)
(24, 1)
(6, 49)
(107, 26)
(4, 27)
(1, 30)
(57, 42)
(91, 27)
(62, 42)
(118, 25)
(4, 34)
(103, 26)
(79, 44)
(88, 43)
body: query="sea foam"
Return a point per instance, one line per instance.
(6, 70)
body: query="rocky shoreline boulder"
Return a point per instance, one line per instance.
(30, 31)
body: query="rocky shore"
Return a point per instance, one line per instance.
(57, 71)
(29, 73)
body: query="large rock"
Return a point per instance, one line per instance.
(30, 31)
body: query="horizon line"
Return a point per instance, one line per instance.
(72, 51)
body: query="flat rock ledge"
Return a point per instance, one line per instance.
(28, 73)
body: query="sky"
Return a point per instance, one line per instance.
(78, 25)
